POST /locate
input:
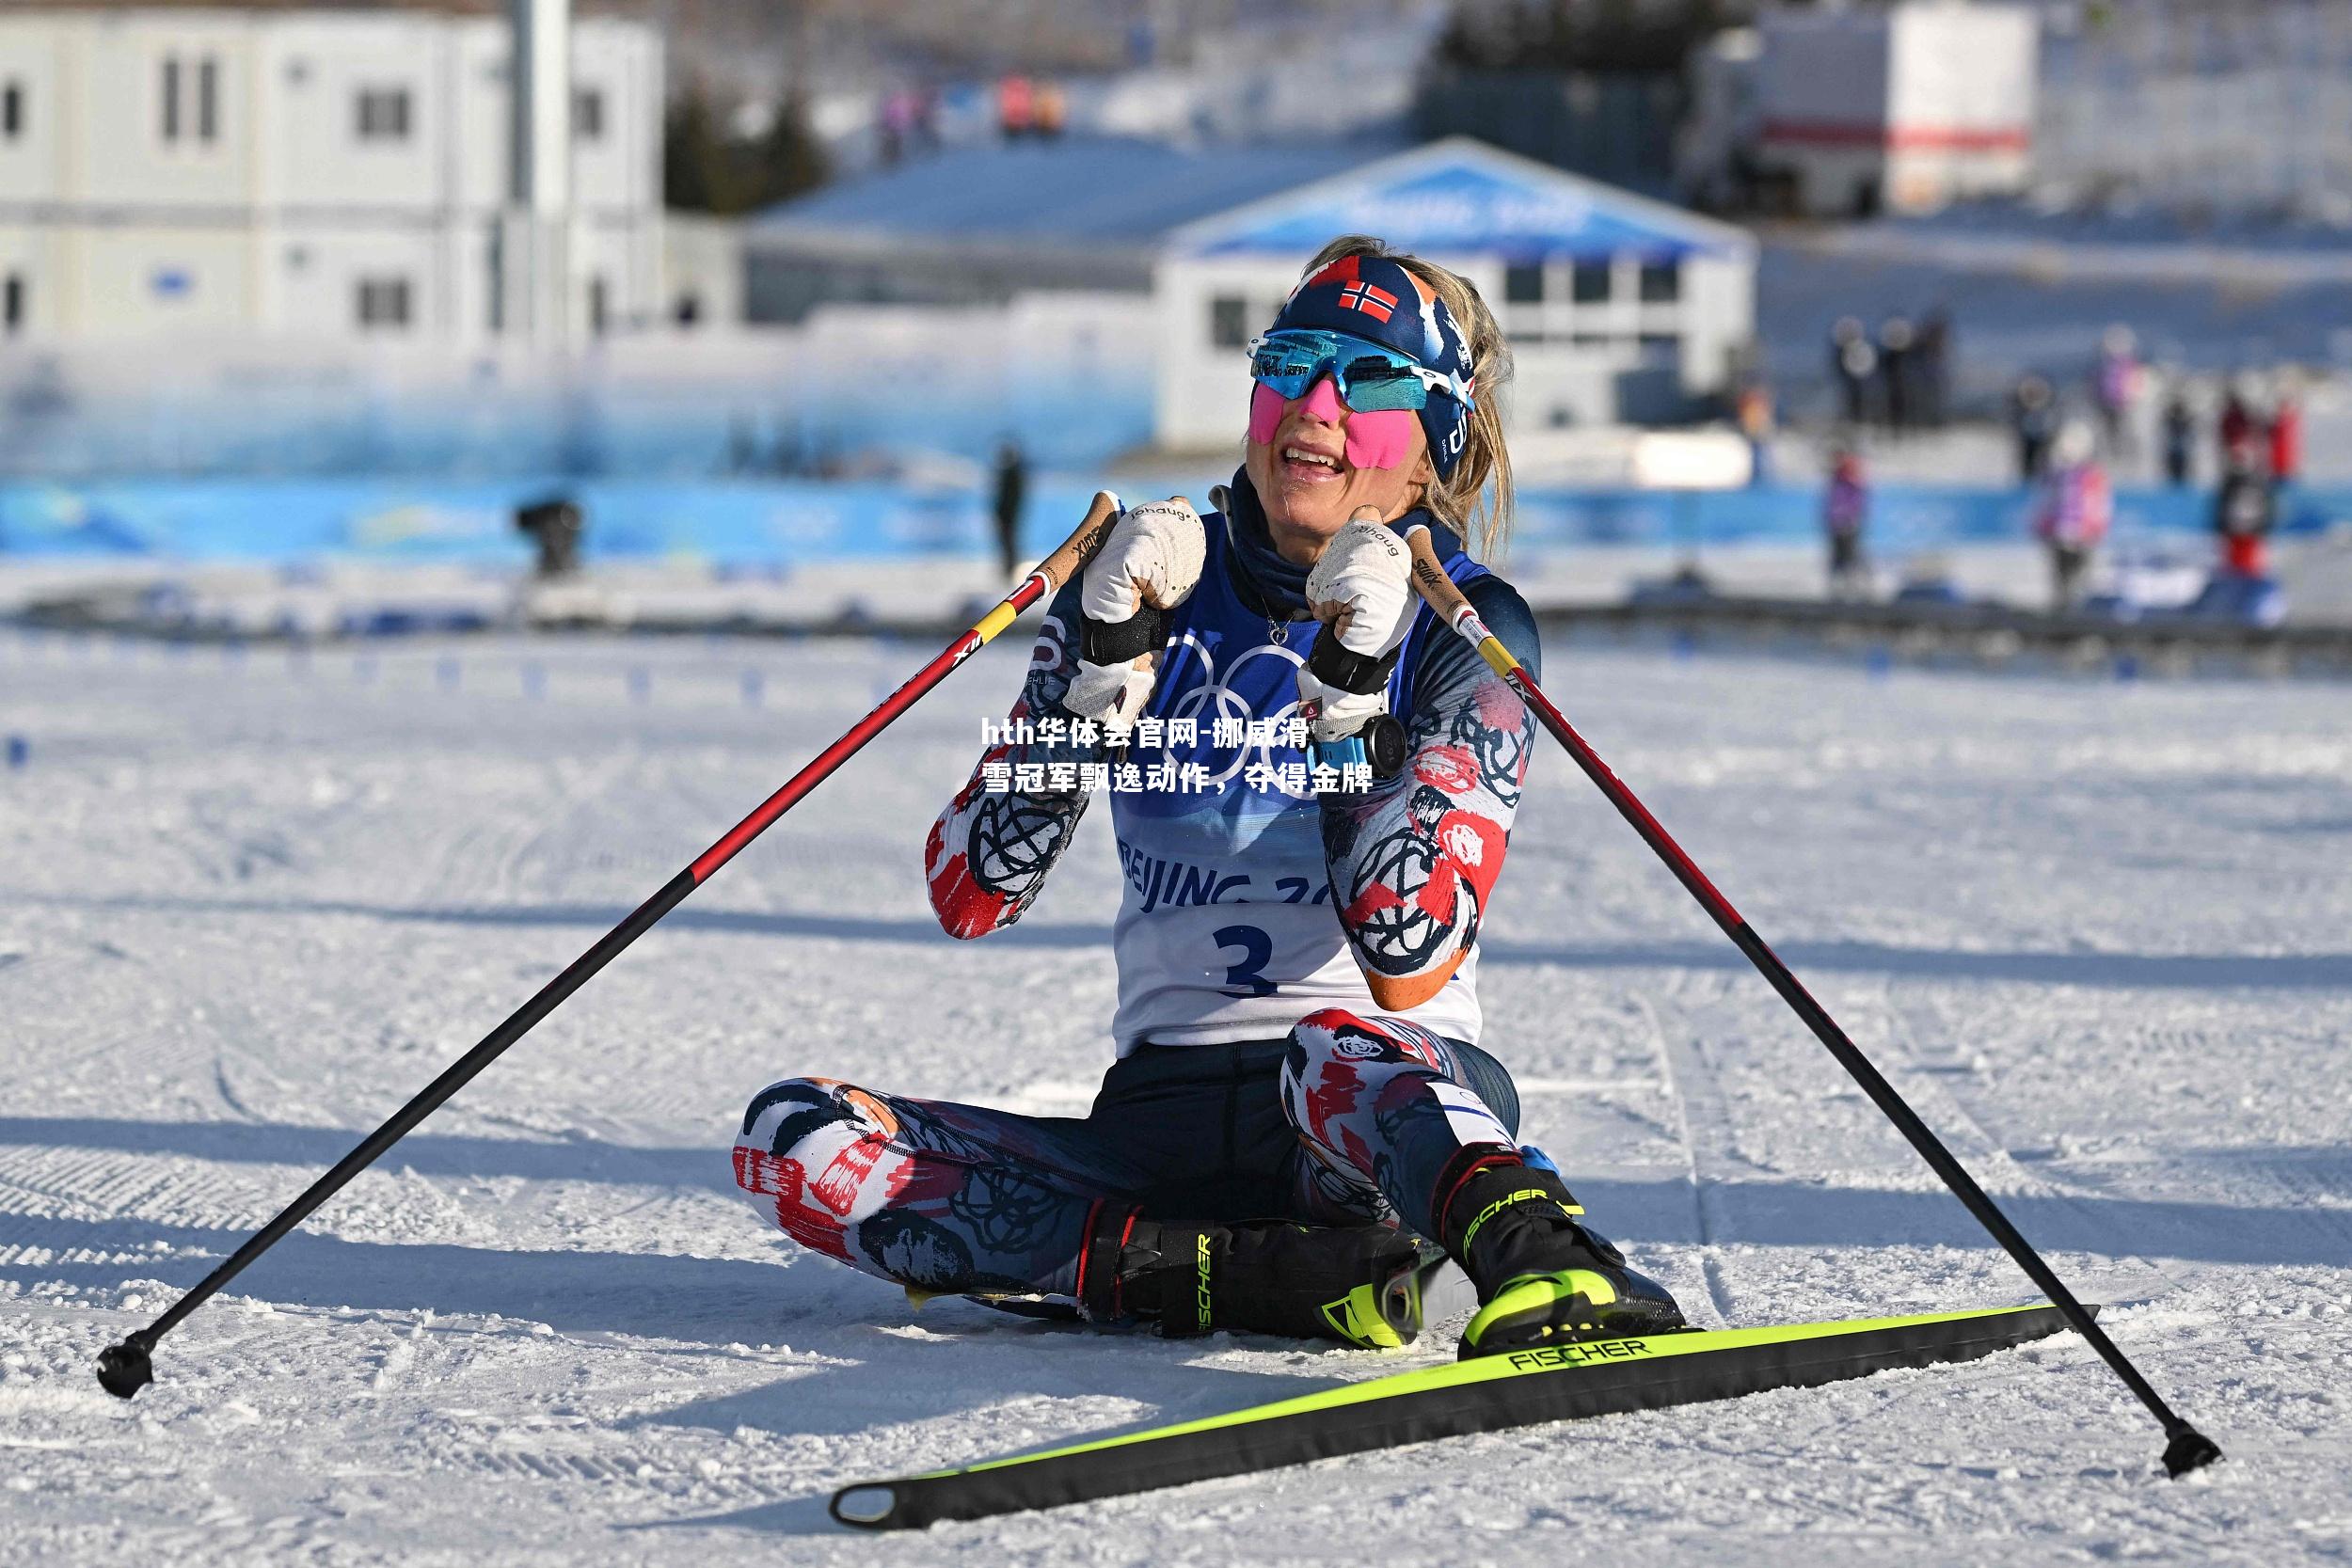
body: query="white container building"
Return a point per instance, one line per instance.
(1898, 108)
(306, 174)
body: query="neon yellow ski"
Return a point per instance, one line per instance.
(1551, 1383)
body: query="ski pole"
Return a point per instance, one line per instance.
(126, 1368)
(2186, 1449)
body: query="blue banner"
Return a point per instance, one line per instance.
(786, 522)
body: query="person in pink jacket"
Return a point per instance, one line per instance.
(2073, 508)
(1845, 516)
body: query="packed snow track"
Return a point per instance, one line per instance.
(2099, 933)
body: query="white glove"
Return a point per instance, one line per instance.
(1153, 558)
(1154, 553)
(1112, 696)
(1364, 587)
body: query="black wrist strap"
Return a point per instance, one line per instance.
(1358, 674)
(1123, 641)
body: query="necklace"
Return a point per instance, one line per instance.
(1278, 622)
(1277, 625)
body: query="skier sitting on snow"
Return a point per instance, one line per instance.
(1299, 1117)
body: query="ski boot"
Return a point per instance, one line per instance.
(1542, 1277)
(1365, 1285)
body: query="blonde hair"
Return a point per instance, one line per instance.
(1475, 501)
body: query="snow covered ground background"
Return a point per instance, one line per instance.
(248, 904)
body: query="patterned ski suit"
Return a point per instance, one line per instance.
(1297, 1000)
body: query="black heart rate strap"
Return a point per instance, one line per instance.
(1359, 674)
(1123, 641)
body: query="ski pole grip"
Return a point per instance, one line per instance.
(1070, 555)
(1438, 589)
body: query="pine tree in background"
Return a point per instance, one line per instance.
(1583, 35)
(693, 165)
(789, 159)
(706, 167)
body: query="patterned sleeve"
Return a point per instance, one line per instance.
(990, 850)
(1413, 861)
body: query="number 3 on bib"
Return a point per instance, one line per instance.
(1246, 977)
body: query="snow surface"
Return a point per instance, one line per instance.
(249, 903)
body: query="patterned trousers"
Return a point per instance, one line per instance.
(1348, 1120)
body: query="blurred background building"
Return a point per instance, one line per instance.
(1904, 109)
(817, 269)
(319, 175)
(1619, 310)
(2212, 109)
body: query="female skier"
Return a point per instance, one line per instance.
(1300, 1123)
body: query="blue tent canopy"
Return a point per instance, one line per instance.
(1468, 199)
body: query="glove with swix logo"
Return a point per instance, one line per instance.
(1148, 566)
(1362, 588)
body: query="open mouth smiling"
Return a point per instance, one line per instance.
(1307, 465)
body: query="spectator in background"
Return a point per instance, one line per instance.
(1049, 110)
(1845, 518)
(2073, 510)
(2034, 415)
(2243, 511)
(1897, 369)
(2286, 433)
(1016, 107)
(2116, 387)
(1934, 358)
(2180, 432)
(1754, 409)
(2235, 431)
(1852, 362)
(1013, 488)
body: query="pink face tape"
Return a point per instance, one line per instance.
(1323, 401)
(1266, 413)
(1383, 439)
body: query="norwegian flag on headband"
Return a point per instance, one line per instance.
(1377, 303)
(1373, 297)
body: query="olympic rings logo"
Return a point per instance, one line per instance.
(1213, 699)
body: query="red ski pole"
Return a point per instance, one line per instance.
(126, 1368)
(2187, 1448)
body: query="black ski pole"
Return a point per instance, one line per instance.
(126, 1368)
(2185, 1449)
